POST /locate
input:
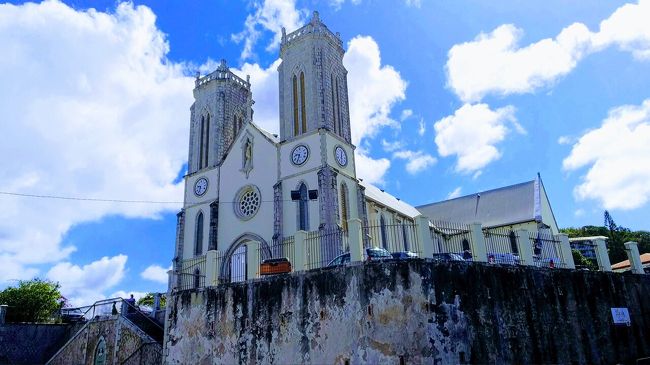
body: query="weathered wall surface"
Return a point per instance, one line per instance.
(124, 341)
(417, 311)
(31, 343)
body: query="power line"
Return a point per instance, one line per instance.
(88, 199)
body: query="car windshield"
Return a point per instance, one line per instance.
(378, 252)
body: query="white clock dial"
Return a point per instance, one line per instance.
(299, 155)
(201, 186)
(341, 156)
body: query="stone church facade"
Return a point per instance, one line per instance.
(246, 185)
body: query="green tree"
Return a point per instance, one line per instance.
(582, 261)
(33, 300)
(147, 300)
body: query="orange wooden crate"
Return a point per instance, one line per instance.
(275, 266)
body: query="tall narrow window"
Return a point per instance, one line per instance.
(405, 236)
(338, 105)
(234, 126)
(303, 108)
(197, 278)
(334, 121)
(295, 105)
(384, 236)
(201, 142)
(240, 123)
(207, 141)
(344, 207)
(513, 242)
(303, 218)
(198, 235)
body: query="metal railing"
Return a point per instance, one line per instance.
(450, 237)
(393, 236)
(325, 245)
(501, 246)
(546, 250)
(192, 273)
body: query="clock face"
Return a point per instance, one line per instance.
(341, 156)
(200, 186)
(299, 155)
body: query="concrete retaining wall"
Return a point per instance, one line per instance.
(417, 312)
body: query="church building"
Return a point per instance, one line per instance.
(245, 184)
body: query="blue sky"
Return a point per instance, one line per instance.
(447, 99)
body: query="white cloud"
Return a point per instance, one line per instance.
(156, 273)
(269, 15)
(416, 161)
(618, 155)
(369, 169)
(96, 110)
(564, 140)
(455, 194)
(373, 88)
(421, 128)
(391, 146)
(579, 212)
(413, 3)
(494, 63)
(264, 86)
(406, 113)
(472, 133)
(85, 285)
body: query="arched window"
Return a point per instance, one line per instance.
(303, 208)
(303, 108)
(198, 235)
(294, 80)
(338, 107)
(513, 242)
(201, 142)
(382, 227)
(345, 214)
(334, 121)
(207, 141)
(197, 278)
(100, 352)
(234, 126)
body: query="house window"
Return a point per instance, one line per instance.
(303, 218)
(198, 244)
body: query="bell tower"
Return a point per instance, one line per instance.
(313, 82)
(222, 105)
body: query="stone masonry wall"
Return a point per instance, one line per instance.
(416, 312)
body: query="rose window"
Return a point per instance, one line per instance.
(248, 202)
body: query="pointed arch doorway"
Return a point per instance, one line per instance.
(234, 265)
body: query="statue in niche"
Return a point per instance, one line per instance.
(247, 155)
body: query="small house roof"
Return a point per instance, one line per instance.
(380, 196)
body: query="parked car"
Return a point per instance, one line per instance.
(404, 255)
(447, 256)
(503, 258)
(370, 254)
(69, 315)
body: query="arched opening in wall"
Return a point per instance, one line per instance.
(303, 208)
(382, 228)
(198, 235)
(100, 352)
(345, 209)
(237, 264)
(294, 81)
(513, 242)
(197, 278)
(234, 263)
